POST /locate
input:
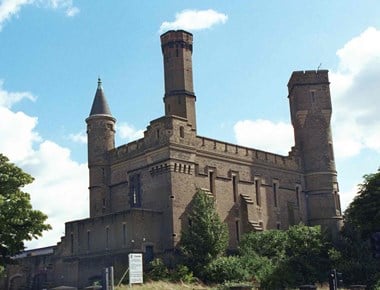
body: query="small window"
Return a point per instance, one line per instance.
(88, 240)
(337, 201)
(211, 176)
(331, 152)
(312, 93)
(298, 195)
(71, 243)
(237, 231)
(135, 190)
(158, 133)
(234, 187)
(275, 194)
(257, 192)
(181, 131)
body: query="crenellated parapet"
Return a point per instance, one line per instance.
(228, 150)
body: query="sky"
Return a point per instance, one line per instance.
(53, 51)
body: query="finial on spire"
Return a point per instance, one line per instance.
(99, 83)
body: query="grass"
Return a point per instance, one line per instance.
(166, 286)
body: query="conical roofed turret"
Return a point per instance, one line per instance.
(100, 140)
(100, 105)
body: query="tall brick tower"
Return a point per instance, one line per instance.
(310, 105)
(100, 139)
(177, 49)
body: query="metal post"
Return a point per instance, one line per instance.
(111, 277)
(105, 285)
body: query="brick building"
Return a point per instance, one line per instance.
(140, 191)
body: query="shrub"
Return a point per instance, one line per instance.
(183, 274)
(226, 269)
(158, 270)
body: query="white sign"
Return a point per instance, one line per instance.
(135, 268)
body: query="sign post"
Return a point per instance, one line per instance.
(135, 269)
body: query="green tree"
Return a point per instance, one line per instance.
(289, 258)
(18, 220)
(364, 211)
(206, 237)
(362, 218)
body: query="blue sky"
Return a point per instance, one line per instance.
(52, 52)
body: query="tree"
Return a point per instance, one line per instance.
(364, 211)
(206, 237)
(362, 219)
(289, 258)
(18, 220)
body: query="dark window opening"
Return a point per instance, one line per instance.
(88, 240)
(337, 201)
(71, 243)
(312, 96)
(331, 151)
(182, 132)
(275, 194)
(257, 192)
(149, 254)
(237, 231)
(212, 181)
(135, 191)
(234, 187)
(298, 196)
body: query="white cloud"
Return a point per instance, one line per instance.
(194, 20)
(7, 99)
(348, 196)
(265, 135)
(355, 91)
(72, 11)
(59, 189)
(10, 8)
(60, 186)
(66, 5)
(80, 137)
(355, 95)
(128, 132)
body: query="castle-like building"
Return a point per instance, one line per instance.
(140, 192)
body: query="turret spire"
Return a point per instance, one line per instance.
(99, 84)
(100, 105)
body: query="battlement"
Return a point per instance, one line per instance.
(172, 37)
(127, 150)
(309, 77)
(220, 148)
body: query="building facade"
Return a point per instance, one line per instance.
(140, 192)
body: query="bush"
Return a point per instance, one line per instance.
(158, 271)
(183, 274)
(226, 269)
